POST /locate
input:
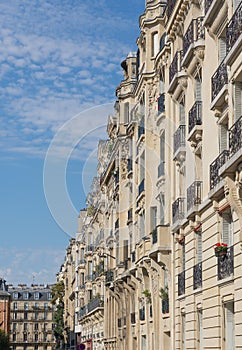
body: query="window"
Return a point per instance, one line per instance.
(36, 326)
(229, 325)
(162, 208)
(25, 295)
(199, 246)
(200, 329)
(36, 315)
(237, 100)
(142, 225)
(14, 337)
(15, 306)
(25, 315)
(222, 48)
(25, 326)
(49, 295)
(46, 305)
(153, 218)
(36, 295)
(198, 88)
(126, 112)
(227, 228)
(36, 305)
(14, 326)
(36, 337)
(183, 331)
(15, 295)
(143, 342)
(26, 306)
(223, 136)
(25, 337)
(36, 347)
(182, 116)
(45, 315)
(155, 44)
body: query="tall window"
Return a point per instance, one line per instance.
(15, 306)
(222, 48)
(142, 225)
(223, 136)
(36, 295)
(143, 342)
(183, 331)
(182, 116)
(155, 44)
(126, 112)
(200, 329)
(237, 100)
(153, 217)
(227, 228)
(199, 246)
(229, 325)
(26, 306)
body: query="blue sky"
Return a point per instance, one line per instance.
(60, 65)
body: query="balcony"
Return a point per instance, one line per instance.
(179, 142)
(226, 264)
(197, 276)
(181, 283)
(195, 116)
(142, 314)
(109, 276)
(161, 104)
(178, 210)
(194, 195)
(95, 303)
(194, 33)
(165, 306)
(141, 187)
(161, 169)
(219, 83)
(234, 28)
(132, 318)
(235, 137)
(215, 178)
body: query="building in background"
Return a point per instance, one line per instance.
(156, 263)
(4, 307)
(31, 318)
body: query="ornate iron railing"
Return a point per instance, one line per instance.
(165, 306)
(179, 138)
(234, 28)
(219, 79)
(154, 235)
(195, 115)
(141, 187)
(161, 169)
(178, 209)
(181, 283)
(109, 276)
(142, 314)
(194, 194)
(95, 303)
(208, 3)
(197, 276)
(194, 32)
(215, 166)
(161, 103)
(226, 264)
(235, 137)
(132, 318)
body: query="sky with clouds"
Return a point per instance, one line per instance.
(60, 65)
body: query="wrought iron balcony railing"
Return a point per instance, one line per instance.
(132, 318)
(142, 314)
(197, 276)
(194, 194)
(208, 3)
(234, 28)
(215, 166)
(219, 79)
(161, 169)
(179, 138)
(109, 276)
(161, 103)
(181, 283)
(95, 303)
(195, 115)
(194, 32)
(141, 187)
(226, 264)
(165, 306)
(175, 66)
(154, 235)
(235, 137)
(178, 210)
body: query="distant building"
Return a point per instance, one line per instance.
(31, 318)
(4, 307)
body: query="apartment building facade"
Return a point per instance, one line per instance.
(31, 318)
(4, 307)
(157, 257)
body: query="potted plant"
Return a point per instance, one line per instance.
(220, 249)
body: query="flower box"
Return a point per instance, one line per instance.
(220, 249)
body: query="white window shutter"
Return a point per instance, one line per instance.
(227, 229)
(223, 142)
(199, 246)
(222, 49)
(198, 90)
(237, 100)
(229, 331)
(182, 115)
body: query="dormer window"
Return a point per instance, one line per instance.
(25, 295)
(15, 295)
(36, 295)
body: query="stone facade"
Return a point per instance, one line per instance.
(4, 307)
(158, 250)
(31, 318)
